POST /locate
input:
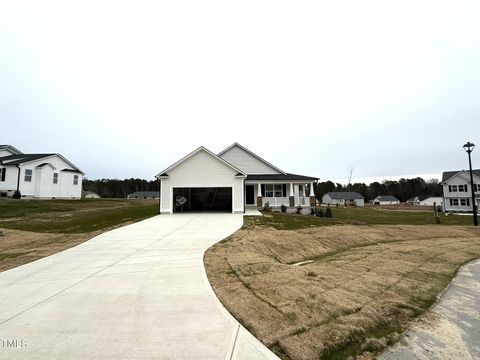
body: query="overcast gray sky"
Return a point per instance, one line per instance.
(123, 89)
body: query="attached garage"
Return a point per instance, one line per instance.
(202, 199)
(201, 181)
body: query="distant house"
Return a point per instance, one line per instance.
(144, 195)
(40, 176)
(343, 198)
(425, 200)
(385, 200)
(457, 191)
(91, 195)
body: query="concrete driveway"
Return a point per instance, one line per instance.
(137, 292)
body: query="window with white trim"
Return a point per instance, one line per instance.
(453, 202)
(464, 202)
(55, 178)
(75, 179)
(28, 175)
(452, 188)
(274, 190)
(476, 187)
(3, 171)
(462, 188)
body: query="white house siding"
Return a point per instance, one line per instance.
(463, 178)
(247, 162)
(431, 200)
(201, 170)
(42, 185)
(5, 152)
(326, 199)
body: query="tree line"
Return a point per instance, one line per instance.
(114, 188)
(402, 189)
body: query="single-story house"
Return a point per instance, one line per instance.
(343, 198)
(231, 180)
(90, 195)
(385, 200)
(426, 200)
(144, 195)
(41, 176)
(457, 191)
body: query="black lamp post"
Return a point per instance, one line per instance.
(469, 148)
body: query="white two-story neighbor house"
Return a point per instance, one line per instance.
(42, 176)
(457, 193)
(230, 181)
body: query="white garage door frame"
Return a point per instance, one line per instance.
(200, 186)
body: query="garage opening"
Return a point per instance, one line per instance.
(202, 199)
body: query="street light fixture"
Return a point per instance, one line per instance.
(469, 148)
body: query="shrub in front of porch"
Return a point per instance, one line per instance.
(283, 208)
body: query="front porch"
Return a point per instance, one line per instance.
(277, 193)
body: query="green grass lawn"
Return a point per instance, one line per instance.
(357, 216)
(72, 216)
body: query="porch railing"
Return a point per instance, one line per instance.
(275, 201)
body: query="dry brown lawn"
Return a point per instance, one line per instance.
(363, 288)
(20, 247)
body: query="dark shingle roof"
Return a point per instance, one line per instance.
(346, 195)
(141, 194)
(285, 177)
(21, 158)
(386, 198)
(448, 174)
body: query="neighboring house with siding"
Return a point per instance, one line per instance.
(42, 176)
(143, 195)
(457, 191)
(426, 200)
(385, 200)
(232, 180)
(343, 198)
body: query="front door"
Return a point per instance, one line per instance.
(249, 195)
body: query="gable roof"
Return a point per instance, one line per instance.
(164, 173)
(25, 158)
(235, 144)
(11, 148)
(386, 198)
(345, 195)
(447, 175)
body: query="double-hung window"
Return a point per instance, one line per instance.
(452, 188)
(55, 178)
(453, 202)
(28, 175)
(75, 179)
(464, 202)
(274, 190)
(3, 171)
(462, 188)
(476, 187)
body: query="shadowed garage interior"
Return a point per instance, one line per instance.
(202, 199)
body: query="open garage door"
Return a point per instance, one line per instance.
(202, 199)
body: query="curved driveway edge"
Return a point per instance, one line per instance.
(137, 292)
(452, 328)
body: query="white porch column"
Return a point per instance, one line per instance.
(312, 196)
(291, 197)
(259, 195)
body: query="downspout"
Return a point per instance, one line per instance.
(18, 178)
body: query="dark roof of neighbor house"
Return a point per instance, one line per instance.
(292, 177)
(24, 158)
(346, 195)
(448, 174)
(142, 194)
(386, 198)
(21, 158)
